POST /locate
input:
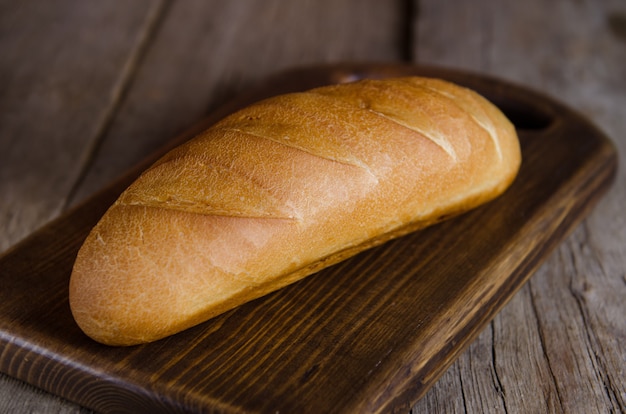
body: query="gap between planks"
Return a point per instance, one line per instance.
(154, 19)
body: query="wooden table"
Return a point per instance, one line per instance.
(88, 88)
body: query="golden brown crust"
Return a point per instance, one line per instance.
(226, 217)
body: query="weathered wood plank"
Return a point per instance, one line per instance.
(224, 47)
(62, 67)
(561, 339)
(517, 342)
(582, 313)
(474, 376)
(18, 397)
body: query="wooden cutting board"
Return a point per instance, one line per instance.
(371, 334)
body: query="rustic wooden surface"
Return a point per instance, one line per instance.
(353, 338)
(88, 88)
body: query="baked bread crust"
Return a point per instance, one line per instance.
(280, 190)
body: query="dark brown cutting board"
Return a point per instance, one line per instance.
(371, 334)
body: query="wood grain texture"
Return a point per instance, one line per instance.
(368, 335)
(55, 101)
(572, 49)
(561, 340)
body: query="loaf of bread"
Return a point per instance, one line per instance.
(280, 190)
